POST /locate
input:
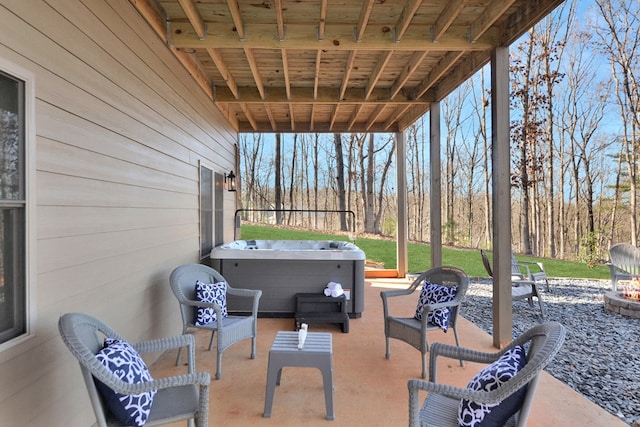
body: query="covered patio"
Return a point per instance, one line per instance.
(369, 389)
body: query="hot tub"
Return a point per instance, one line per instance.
(283, 268)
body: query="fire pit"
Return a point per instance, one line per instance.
(626, 302)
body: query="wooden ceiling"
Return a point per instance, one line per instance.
(335, 65)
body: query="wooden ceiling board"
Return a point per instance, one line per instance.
(335, 65)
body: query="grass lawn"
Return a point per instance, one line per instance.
(384, 251)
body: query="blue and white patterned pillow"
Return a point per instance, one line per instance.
(472, 414)
(213, 293)
(432, 294)
(125, 363)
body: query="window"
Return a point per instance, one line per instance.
(206, 211)
(13, 209)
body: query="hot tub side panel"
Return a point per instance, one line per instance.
(280, 280)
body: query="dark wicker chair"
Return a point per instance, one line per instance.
(413, 331)
(182, 397)
(440, 407)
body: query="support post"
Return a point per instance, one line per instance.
(401, 185)
(435, 183)
(501, 196)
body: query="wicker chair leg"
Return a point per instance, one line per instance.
(253, 347)
(388, 350)
(211, 341)
(219, 365)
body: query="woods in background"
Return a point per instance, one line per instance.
(575, 142)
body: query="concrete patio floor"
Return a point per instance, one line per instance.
(369, 389)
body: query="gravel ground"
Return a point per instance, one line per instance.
(601, 355)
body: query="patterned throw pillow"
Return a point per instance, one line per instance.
(125, 363)
(433, 294)
(472, 414)
(212, 293)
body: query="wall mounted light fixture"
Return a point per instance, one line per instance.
(230, 181)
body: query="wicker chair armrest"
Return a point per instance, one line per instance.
(200, 378)
(163, 344)
(168, 343)
(416, 385)
(395, 293)
(256, 294)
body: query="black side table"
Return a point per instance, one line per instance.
(318, 308)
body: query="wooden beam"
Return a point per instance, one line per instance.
(373, 117)
(304, 95)
(224, 71)
(254, 71)
(285, 71)
(437, 72)
(249, 116)
(291, 118)
(234, 9)
(407, 72)
(410, 9)
(322, 23)
(316, 76)
(363, 19)
(494, 10)
(377, 72)
(347, 73)
(312, 117)
(155, 17)
(303, 37)
(193, 15)
(354, 116)
(279, 19)
(195, 69)
(400, 110)
(272, 120)
(451, 11)
(334, 114)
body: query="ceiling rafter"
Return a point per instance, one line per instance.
(347, 73)
(285, 71)
(291, 118)
(354, 117)
(491, 14)
(409, 11)
(381, 63)
(374, 116)
(279, 19)
(272, 119)
(224, 71)
(407, 72)
(312, 116)
(400, 110)
(249, 116)
(363, 19)
(322, 23)
(438, 71)
(451, 11)
(341, 70)
(334, 115)
(316, 76)
(254, 71)
(236, 16)
(193, 15)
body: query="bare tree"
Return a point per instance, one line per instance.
(619, 39)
